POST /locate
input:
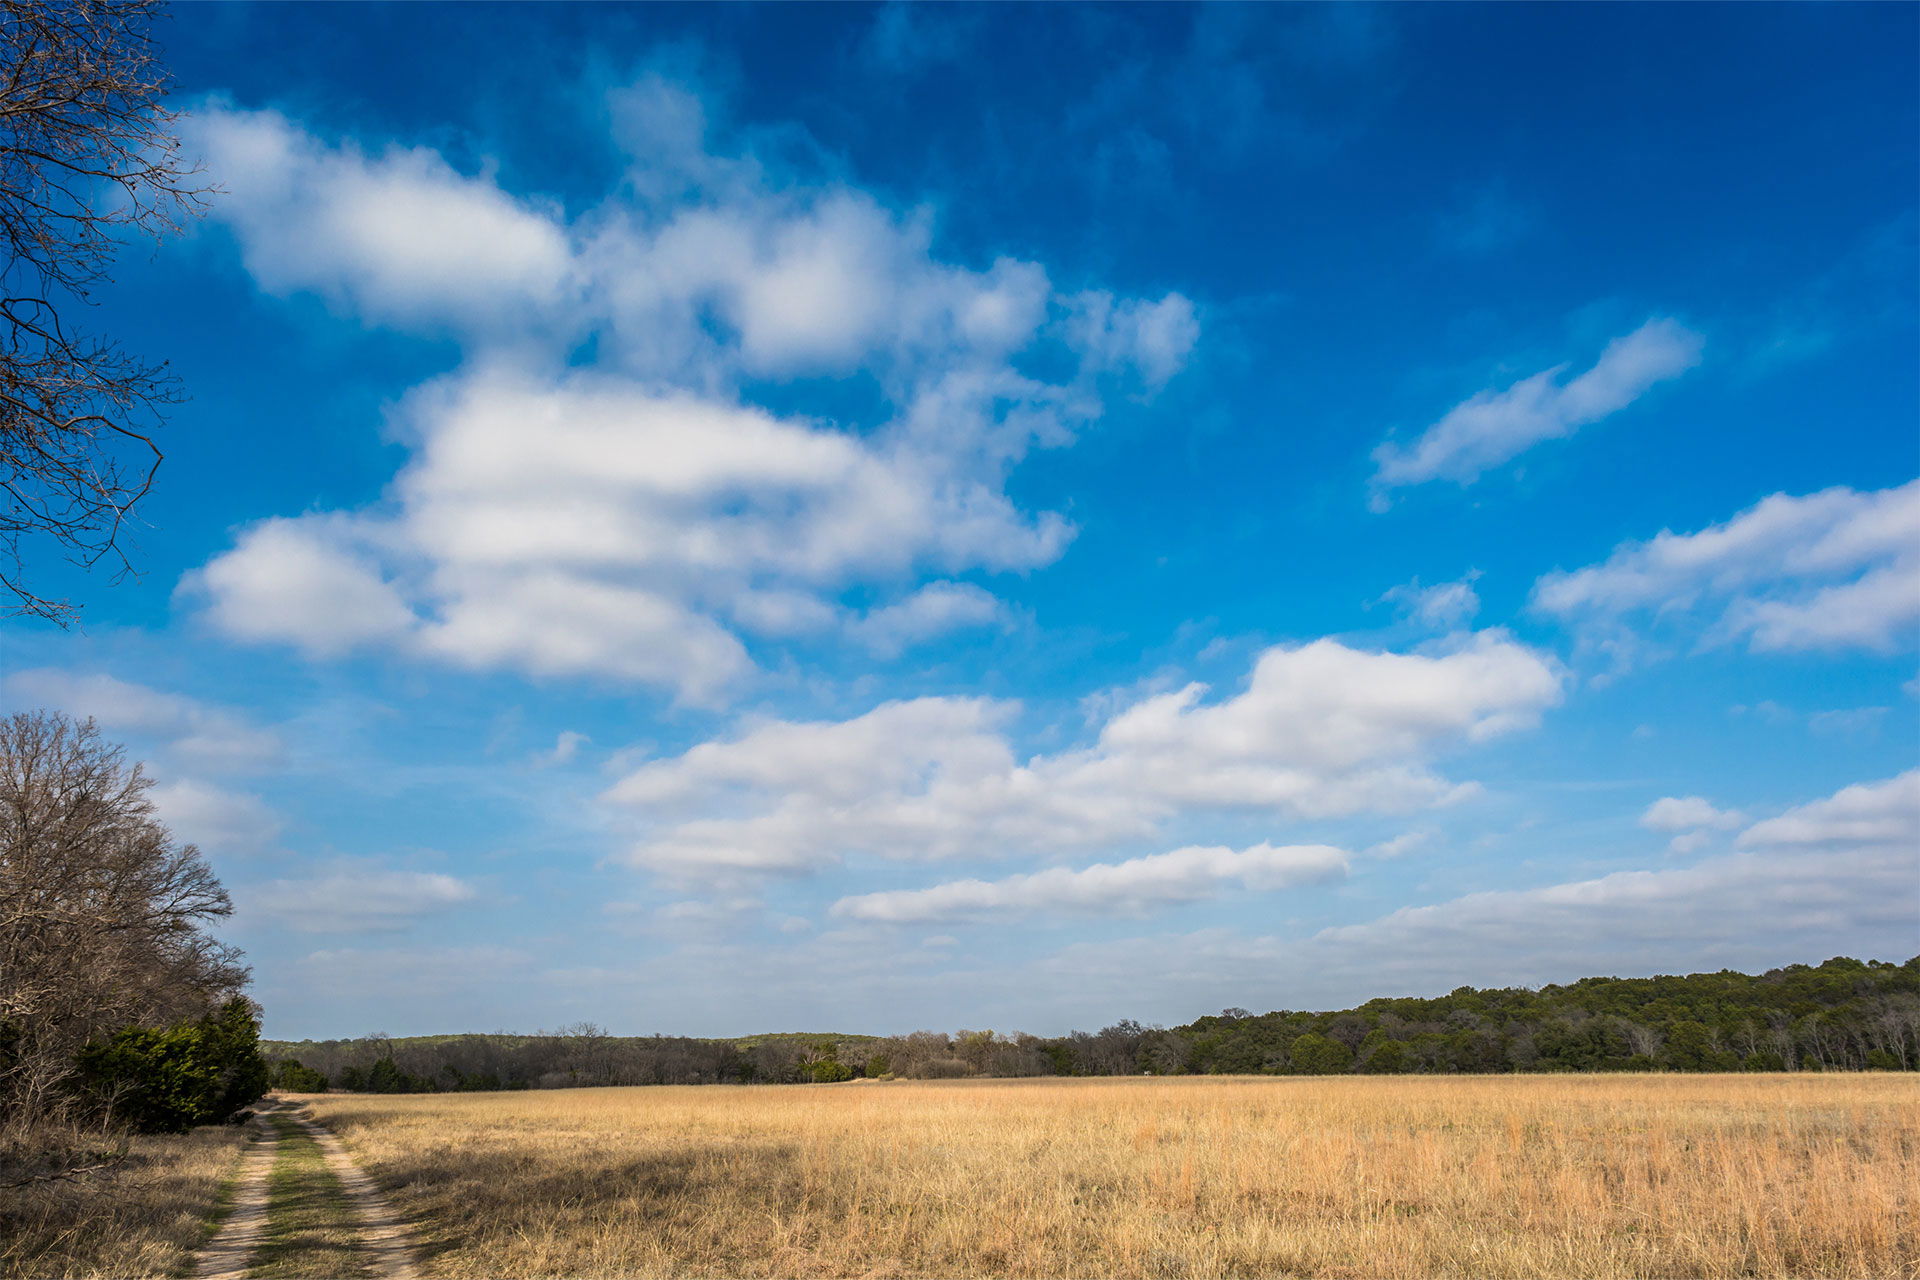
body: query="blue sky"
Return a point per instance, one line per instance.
(724, 519)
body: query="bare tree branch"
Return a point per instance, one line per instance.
(65, 1175)
(88, 156)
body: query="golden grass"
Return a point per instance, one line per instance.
(1543, 1176)
(146, 1217)
(312, 1229)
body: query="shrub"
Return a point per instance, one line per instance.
(288, 1074)
(1315, 1055)
(168, 1079)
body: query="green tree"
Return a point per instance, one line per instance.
(1315, 1055)
(289, 1074)
(1381, 1054)
(168, 1079)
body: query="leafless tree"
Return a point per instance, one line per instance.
(88, 156)
(101, 912)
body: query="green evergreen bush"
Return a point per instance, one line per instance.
(168, 1079)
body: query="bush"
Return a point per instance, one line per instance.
(1382, 1054)
(825, 1071)
(1315, 1055)
(388, 1076)
(168, 1079)
(288, 1074)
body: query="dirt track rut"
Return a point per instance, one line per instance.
(384, 1240)
(230, 1252)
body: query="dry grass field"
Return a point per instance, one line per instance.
(144, 1218)
(1563, 1176)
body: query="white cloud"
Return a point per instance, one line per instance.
(1323, 728)
(1153, 337)
(933, 610)
(635, 519)
(1879, 813)
(1399, 846)
(1833, 877)
(400, 236)
(562, 624)
(1320, 730)
(300, 582)
(1493, 426)
(1442, 606)
(1850, 722)
(196, 736)
(216, 819)
(1690, 820)
(1846, 862)
(821, 291)
(1131, 887)
(1685, 813)
(565, 747)
(356, 899)
(1751, 911)
(1836, 569)
(1689, 842)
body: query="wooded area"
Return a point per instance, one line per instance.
(118, 1009)
(1844, 1015)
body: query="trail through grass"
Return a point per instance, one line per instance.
(312, 1229)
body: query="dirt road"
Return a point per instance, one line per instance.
(304, 1220)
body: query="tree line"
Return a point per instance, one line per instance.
(118, 1009)
(1843, 1015)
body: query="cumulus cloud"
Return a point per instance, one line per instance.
(1493, 426)
(1685, 813)
(568, 624)
(301, 582)
(1320, 730)
(642, 518)
(1108, 888)
(356, 899)
(398, 235)
(1690, 820)
(1837, 569)
(1867, 814)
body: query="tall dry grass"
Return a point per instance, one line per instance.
(145, 1217)
(1612, 1176)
